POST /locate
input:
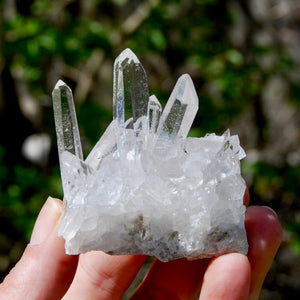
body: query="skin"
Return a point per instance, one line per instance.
(46, 272)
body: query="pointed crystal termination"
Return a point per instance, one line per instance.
(180, 110)
(130, 92)
(153, 113)
(68, 138)
(106, 145)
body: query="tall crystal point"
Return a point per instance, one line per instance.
(130, 93)
(68, 138)
(180, 110)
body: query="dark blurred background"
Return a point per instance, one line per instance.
(244, 58)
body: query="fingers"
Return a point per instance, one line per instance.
(264, 237)
(227, 277)
(44, 263)
(231, 276)
(46, 272)
(177, 279)
(246, 197)
(101, 276)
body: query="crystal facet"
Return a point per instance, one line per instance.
(180, 110)
(153, 113)
(68, 138)
(147, 188)
(130, 97)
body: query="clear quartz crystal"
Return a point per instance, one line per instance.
(106, 145)
(130, 96)
(153, 113)
(68, 138)
(180, 110)
(145, 188)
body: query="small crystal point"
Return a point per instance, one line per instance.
(127, 54)
(153, 113)
(82, 175)
(67, 132)
(180, 110)
(130, 96)
(104, 147)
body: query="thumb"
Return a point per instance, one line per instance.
(44, 271)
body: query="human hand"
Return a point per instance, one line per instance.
(46, 272)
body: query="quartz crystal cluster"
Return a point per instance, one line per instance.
(147, 188)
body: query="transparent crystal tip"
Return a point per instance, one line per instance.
(59, 83)
(127, 54)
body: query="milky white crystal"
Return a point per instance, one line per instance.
(147, 188)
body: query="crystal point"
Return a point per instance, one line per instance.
(59, 83)
(130, 92)
(65, 120)
(145, 188)
(180, 110)
(105, 146)
(153, 113)
(68, 138)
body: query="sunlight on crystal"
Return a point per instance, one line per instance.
(147, 188)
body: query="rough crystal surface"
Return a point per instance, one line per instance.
(147, 188)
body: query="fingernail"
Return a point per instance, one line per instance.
(271, 209)
(45, 222)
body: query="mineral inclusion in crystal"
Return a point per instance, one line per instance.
(147, 188)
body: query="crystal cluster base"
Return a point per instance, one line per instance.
(147, 188)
